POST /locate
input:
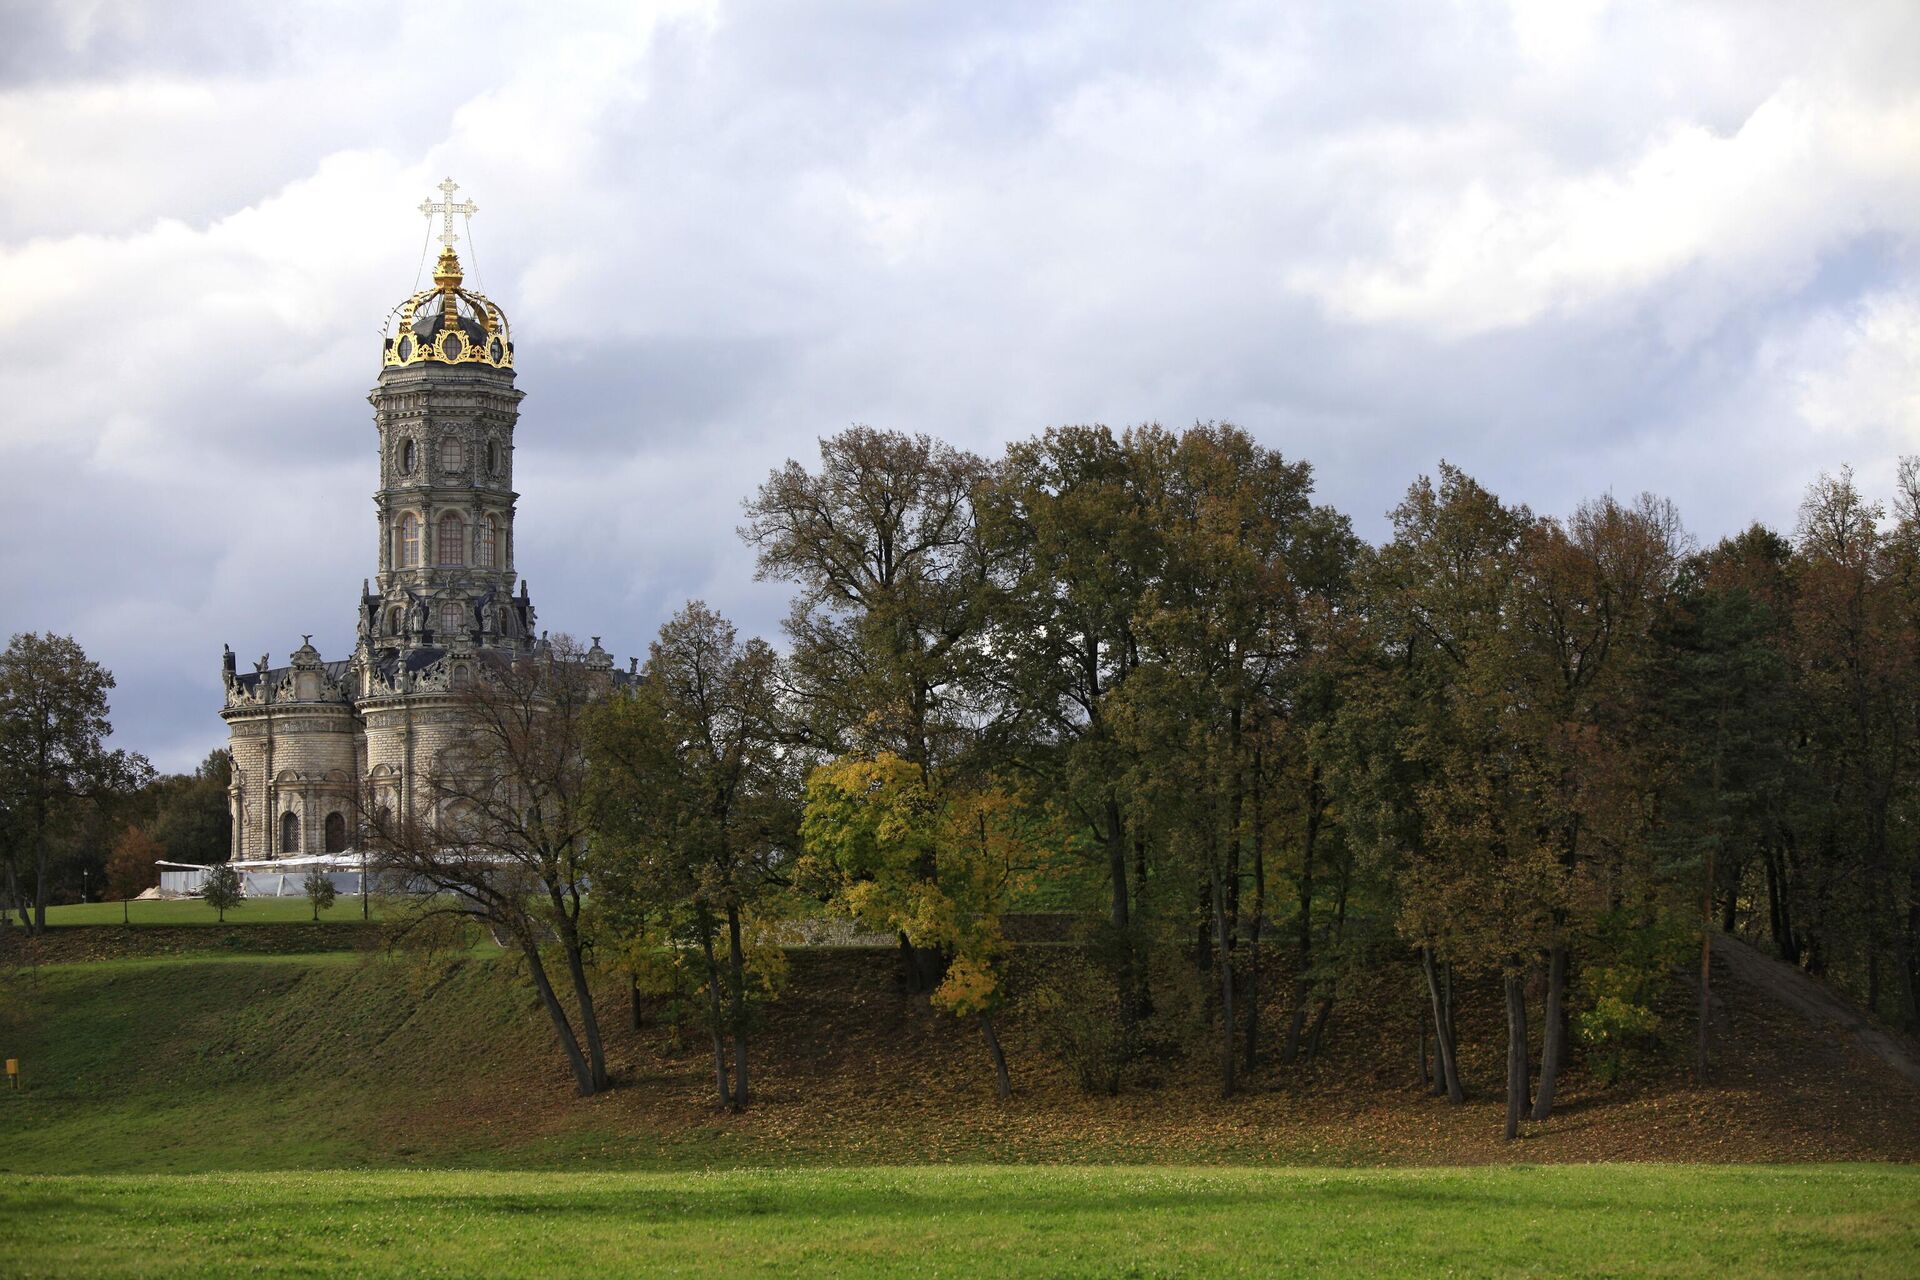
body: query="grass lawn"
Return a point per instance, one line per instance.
(1592, 1220)
(175, 911)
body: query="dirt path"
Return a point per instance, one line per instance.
(1822, 1008)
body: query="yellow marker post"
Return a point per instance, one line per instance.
(13, 1072)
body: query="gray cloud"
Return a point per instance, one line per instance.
(1571, 246)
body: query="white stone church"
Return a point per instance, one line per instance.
(309, 736)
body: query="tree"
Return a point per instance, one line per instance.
(318, 886)
(873, 823)
(883, 543)
(222, 889)
(53, 754)
(503, 835)
(1226, 627)
(131, 869)
(1584, 598)
(1065, 519)
(693, 807)
(1476, 877)
(190, 814)
(1718, 693)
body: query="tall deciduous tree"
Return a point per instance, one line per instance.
(883, 543)
(53, 755)
(694, 807)
(503, 835)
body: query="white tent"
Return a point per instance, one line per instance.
(268, 877)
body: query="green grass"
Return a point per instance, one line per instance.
(993, 1221)
(175, 911)
(205, 1061)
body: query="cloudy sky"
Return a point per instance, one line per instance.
(1574, 247)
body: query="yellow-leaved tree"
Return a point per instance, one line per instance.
(939, 867)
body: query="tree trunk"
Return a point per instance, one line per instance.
(562, 1028)
(715, 1018)
(1226, 984)
(583, 996)
(1319, 1033)
(1117, 863)
(1913, 947)
(1778, 920)
(1259, 913)
(40, 885)
(1553, 1035)
(1296, 1022)
(737, 959)
(1442, 1029)
(999, 1057)
(633, 1000)
(1704, 1019)
(913, 967)
(1517, 1072)
(1420, 1047)
(1127, 977)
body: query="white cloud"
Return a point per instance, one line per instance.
(1752, 211)
(1857, 371)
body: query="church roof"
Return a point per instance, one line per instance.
(448, 324)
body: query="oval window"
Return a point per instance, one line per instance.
(452, 343)
(495, 349)
(406, 347)
(493, 457)
(406, 457)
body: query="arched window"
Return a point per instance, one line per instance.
(453, 455)
(289, 833)
(462, 677)
(394, 617)
(336, 832)
(450, 543)
(453, 619)
(406, 457)
(488, 529)
(406, 537)
(493, 457)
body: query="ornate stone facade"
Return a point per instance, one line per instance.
(306, 737)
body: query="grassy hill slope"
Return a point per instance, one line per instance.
(211, 1057)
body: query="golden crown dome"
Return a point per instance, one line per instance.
(448, 324)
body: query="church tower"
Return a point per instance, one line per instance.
(445, 409)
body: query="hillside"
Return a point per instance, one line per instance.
(197, 1049)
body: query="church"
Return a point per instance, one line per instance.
(310, 738)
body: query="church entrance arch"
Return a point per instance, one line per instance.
(336, 832)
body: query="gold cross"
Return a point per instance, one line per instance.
(446, 209)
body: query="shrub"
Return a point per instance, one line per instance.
(1076, 1006)
(319, 889)
(222, 889)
